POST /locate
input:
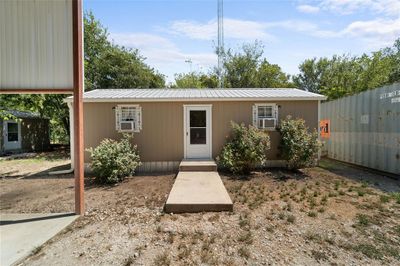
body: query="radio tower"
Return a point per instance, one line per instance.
(220, 48)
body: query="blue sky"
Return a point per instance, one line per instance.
(168, 33)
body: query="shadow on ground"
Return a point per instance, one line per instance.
(373, 179)
(278, 174)
(44, 174)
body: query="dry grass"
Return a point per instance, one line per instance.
(318, 215)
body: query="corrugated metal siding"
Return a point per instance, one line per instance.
(206, 94)
(374, 143)
(36, 44)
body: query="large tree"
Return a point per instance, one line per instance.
(344, 75)
(112, 66)
(195, 80)
(106, 66)
(47, 105)
(245, 68)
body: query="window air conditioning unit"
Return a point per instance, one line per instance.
(127, 125)
(267, 123)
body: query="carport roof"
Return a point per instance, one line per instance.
(171, 95)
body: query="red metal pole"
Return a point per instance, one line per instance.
(78, 106)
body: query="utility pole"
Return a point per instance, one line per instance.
(220, 49)
(189, 61)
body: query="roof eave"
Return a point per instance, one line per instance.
(239, 99)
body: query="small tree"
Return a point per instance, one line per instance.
(299, 147)
(112, 160)
(245, 149)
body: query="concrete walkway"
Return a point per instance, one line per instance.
(197, 192)
(20, 234)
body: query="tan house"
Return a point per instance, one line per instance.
(174, 124)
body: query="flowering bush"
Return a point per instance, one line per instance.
(299, 146)
(245, 149)
(112, 160)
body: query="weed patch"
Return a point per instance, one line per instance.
(313, 236)
(363, 220)
(244, 252)
(368, 250)
(36, 250)
(162, 259)
(312, 214)
(396, 197)
(246, 237)
(291, 219)
(384, 198)
(319, 255)
(129, 261)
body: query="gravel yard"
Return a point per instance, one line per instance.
(332, 215)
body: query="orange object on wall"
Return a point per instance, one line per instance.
(325, 128)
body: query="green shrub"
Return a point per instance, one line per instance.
(112, 160)
(245, 149)
(299, 147)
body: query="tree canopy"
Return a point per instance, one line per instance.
(106, 66)
(245, 68)
(47, 105)
(335, 77)
(112, 66)
(195, 80)
(344, 75)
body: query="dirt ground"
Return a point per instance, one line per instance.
(330, 215)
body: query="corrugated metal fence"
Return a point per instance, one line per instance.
(365, 128)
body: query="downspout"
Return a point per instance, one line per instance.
(71, 143)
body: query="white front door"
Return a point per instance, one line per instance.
(197, 131)
(12, 135)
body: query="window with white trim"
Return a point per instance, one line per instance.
(128, 118)
(265, 116)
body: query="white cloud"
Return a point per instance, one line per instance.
(294, 25)
(308, 9)
(165, 55)
(345, 7)
(159, 49)
(378, 32)
(162, 54)
(233, 29)
(140, 40)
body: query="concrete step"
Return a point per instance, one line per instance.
(198, 192)
(198, 165)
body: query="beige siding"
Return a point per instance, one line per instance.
(36, 44)
(161, 138)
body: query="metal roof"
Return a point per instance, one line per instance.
(125, 95)
(21, 114)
